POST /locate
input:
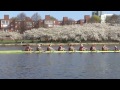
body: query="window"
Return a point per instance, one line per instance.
(29, 23)
(7, 22)
(3, 22)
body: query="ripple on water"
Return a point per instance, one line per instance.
(60, 66)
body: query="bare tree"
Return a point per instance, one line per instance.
(36, 17)
(13, 18)
(21, 16)
(114, 19)
(22, 26)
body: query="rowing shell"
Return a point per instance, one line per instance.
(20, 51)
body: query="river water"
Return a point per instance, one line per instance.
(59, 66)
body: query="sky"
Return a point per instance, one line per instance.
(76, 15)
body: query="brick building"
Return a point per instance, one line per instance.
(14, 24)
(27, 24)
(81, 21)
(50, 22)
(65, 21)
(4, 23)
(86, 18)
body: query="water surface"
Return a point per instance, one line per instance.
(59, 66)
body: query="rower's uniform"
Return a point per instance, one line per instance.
(71, 48)
(116, 48)
(104, 48)
(60, 48)
(81, 48)
(92, 48)
(28, 48)
(39, 48)
(49, 48)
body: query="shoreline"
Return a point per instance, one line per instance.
(56, 44)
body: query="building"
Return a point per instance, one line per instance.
(86, 18)
(65, 21)
(16, 25)
(38, 24)
(4, 23)
(103, 17)
(81, 21)
(48, 22)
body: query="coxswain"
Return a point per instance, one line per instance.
(104, 48)
(28, 48)
(49, 48)
(82, 48)
(93, 48)
(39, 48)
(71, 48)
(60, 48)
(116, 48)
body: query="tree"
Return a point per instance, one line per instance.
(95, 19)
(22, 25)
(21, 16)
(13, 18)
(114, 19)
(36, 17)
(52, 18)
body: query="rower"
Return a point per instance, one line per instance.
(82, 48)
(28, 48)
(71, 48)
(60, 48)
(49, 48)
(104, 48)
(93, 48)
(116, 48)
(39, 48)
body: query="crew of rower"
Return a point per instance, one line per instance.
(71, 48)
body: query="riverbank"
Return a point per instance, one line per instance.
(95, 32)
(56, 44)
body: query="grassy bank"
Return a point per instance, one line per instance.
(35, 42)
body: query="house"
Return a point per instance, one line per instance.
(4, 23)
(81, 21)
(60, 22)
(65, 21)
(28, 23)
(48, 22)
(104, 16)
(86, 18)
(22, 25)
